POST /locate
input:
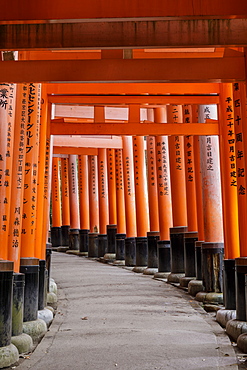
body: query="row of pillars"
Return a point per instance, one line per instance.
(179, 206)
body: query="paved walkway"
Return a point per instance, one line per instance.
(111, 318)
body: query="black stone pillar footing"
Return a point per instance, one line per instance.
(56, 237)
(130, 251)
(152, 239)
(102, 245)
(111, 238)
(141, 251)
(198, 259)
(241, 271)
(6, 289)
(229, 289)
(30, 267)
(190, 239)
(212, 266)
(93, 245)
(177, 249)
(120, 247)
(164, 256)
(65, 235)
(48, 264)
(42, 284)
(18, 304)
(74, 239)
(83, 240)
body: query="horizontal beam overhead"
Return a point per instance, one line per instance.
(132, 99)
(134, 128)
(73, 150)
(67, 141)
(116, 70)
(146, 33)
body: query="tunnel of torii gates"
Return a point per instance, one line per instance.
(124, 138)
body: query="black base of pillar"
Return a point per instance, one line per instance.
(18, 304)
(30, 267)
(212, 266)
(198, 259)
(48, 263)
(177, 249)
(56, 237)
(74, 239)
(164, 256)
(102, 246)
(120, 247)
(153, 237)
(93, 245)
(190, 239)
(42, 282)
(83, 240)
(130, 251)
(111, 238)
(241, 270)
(141, 251)
(65, 235)
(6, 288)
(229, 289)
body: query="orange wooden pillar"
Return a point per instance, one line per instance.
(93, 206)
(84, 204)
(103, 202)
(129, 196)
(31, 172)
(191, 237)
(56, 204)
(212, 248)
(17, 189)
(111, 177)
(65, 203)
(121, 222)
(7, 93)
(164, 195)
(74, 204)
(178, 191)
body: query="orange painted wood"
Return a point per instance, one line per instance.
(56, 194)
(114, 142)
(17, 188)
(73, 193)
(129, 186)
(163, 179)
(103, 191)
(65, 191)
(111, 176)
(152, 185)
(83, 191)
(121, 221)
(177, 170)
(7, 110)
(211, 188)
(229, 172)
(190, 180)
(31, 172)
(73, 150)
(93, 193)
(239, 104)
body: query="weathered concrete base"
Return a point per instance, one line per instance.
(242, 342)
(51, 309)
(46, 315)
(235, 328)
(215, 298)
(52, 299)
(119, 263)
(150, 271)
(8, 355)
(161, 275)
(195, 286)
(23, 343)
(110, 257)
(62, 249)
(139, 269)
(223, 316)
(52, 286)
(83, 254)
(174, 277)
(36, 329)
(73, 251)
(184, 281)
(130, 268)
